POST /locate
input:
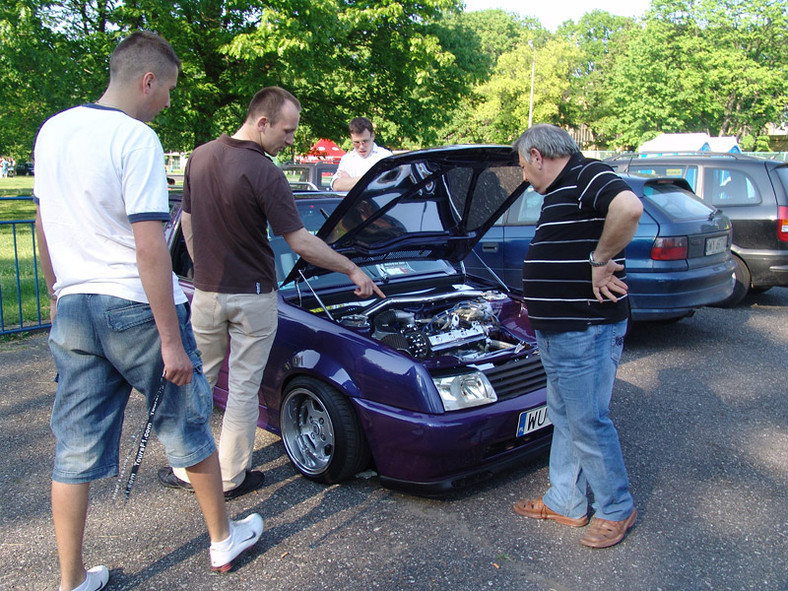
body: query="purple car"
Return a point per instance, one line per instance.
(437, 386)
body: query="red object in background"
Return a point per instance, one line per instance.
(324, 150)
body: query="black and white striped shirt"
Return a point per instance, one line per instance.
(556, 273)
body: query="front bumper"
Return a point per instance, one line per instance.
(436, 454)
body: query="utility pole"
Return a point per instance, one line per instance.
(533, 74)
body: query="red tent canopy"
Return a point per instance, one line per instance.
(323, 150)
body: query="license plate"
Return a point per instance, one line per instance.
(532, 420)
(716, 245)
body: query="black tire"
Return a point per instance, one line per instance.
(760, 289)
(321, 432)
(740, 288)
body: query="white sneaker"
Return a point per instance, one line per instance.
(243, 535)
(96, 579)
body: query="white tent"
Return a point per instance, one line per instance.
(727, 143)
(690, 142)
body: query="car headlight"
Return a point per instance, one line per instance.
(465, 390)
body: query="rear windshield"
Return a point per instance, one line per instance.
(688, 172)
(674, 202)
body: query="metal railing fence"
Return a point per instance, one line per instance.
(24, 302)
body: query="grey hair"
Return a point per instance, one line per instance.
(550, 140)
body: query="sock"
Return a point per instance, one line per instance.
(224, 544)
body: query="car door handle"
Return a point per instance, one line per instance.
(490, 247)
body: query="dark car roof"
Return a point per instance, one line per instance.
(644, 157)
(427, 204)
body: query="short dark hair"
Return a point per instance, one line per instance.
(268, 102)
(140, 52)
(550, 140)
(359, 125)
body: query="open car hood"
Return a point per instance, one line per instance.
(427, 204)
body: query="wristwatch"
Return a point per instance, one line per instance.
(594, 263)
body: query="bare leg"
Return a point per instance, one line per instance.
(69, 513)
(207, 482)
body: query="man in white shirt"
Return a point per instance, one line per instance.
(119, 317)
(364, 155)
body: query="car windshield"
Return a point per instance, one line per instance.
(314, 213)
(674, 202)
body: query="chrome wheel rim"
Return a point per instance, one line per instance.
(307, 432)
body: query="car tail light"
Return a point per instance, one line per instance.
(669, 249)
(782, 223)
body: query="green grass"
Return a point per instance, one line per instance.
(16, 210)
(16, 253)
(16, 249)
(20, 185)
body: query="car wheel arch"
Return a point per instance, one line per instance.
(356, 371)
(312, 364)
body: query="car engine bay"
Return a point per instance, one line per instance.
(464, 325)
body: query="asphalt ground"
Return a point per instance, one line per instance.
(701, 410)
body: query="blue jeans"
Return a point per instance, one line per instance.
(103, 347)
(581, 369)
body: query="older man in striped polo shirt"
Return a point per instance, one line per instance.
(575, 290)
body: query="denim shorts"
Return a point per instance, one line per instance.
(103, 347)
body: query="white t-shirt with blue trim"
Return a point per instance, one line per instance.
(98, 171)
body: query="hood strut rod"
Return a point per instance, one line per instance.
(317, 297)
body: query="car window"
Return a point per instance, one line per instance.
(688, 172)
(324, 175)
(526, 210)
(675, 202)
(296, 173)
(782, 174)
(691, 174)
(724, 187)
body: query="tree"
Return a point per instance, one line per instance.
(42, 71)
(504, 111)
(600, 38)
(385, 59)
(497, 36)
(716, 66)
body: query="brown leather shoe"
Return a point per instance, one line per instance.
(603, 533)
(536, 509)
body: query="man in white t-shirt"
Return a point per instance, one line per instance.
(358, 161)
(119, 317)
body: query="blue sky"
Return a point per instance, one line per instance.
(554, 12)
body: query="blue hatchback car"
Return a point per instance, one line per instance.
(679, 259)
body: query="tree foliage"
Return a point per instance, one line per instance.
(424, 71)
(384, 59)
(716, 66)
